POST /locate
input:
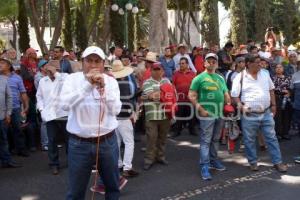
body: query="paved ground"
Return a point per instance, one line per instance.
(179, 180)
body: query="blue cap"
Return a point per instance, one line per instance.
(42, 63)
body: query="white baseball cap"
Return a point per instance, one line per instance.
(93, 50)
(211, 55)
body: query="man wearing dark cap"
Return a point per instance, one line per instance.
(225, 59)
(208, 93)
(157, 123)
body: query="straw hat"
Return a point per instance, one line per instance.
(119, 71)
(151, 57)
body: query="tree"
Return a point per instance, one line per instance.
(262, 18)
(80, 31)
(158, 29)
(210, 22)
(67, 27)
(8, 12)
(39, 23)
(238, 22)
(23, 27)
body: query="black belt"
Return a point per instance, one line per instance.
(93, 139)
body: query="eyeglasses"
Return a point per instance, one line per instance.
(182, 63)
(156, 69)
(212, 61)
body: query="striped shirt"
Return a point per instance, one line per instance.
(153, 109)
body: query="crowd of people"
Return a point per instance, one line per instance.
(95, 103)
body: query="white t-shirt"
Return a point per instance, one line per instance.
(255, 92)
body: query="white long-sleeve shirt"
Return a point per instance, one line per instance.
(48, 92)
(82, 100)
(177, 57)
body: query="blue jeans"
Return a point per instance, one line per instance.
(18, 135)
(55, 127)
(210, 133)
(251, 125)
(81, 158)
(44, 136)
(5, 156)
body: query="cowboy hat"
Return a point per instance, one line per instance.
(119, 71)
(150, 57)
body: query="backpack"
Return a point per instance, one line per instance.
(169, 99)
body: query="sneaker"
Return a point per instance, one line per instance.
(217, 165)
(122, 182)
(281, 167)
(205, 173)
(297, 159)
(100, 188)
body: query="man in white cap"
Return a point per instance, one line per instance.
(208, 93)
(93, 101)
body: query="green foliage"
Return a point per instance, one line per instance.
(185, 5)
(80, 31)
(8, 9)
(210, 22)
(238, 22)
(262, 18)
(23, 27)
(117, 28)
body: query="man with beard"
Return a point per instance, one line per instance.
(208, 92)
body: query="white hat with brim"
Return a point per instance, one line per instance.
(93, 50)
(150, 57)
(119, 71)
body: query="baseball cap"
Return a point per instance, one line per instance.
(211, 55)
(93, 50)
(42, 63)
(156, 65)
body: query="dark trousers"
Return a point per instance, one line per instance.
(5, 156)
(54, 129)
(184, 115)
(17, 135)
(282, 118)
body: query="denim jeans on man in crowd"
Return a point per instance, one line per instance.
(82, 157)
(5, 156)
(54, 128)
(18, 135)
(253, 123)
(210, 133)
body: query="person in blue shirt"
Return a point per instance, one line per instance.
(168, 63)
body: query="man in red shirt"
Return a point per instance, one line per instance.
(182, 80)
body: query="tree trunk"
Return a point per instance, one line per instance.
(58, 25)
(38, 26)
(95, 18)
(238, 22)
(14, 41)
(210, 22)
(158, 33)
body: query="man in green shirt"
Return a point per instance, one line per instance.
(157, 123)
(208, 92)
